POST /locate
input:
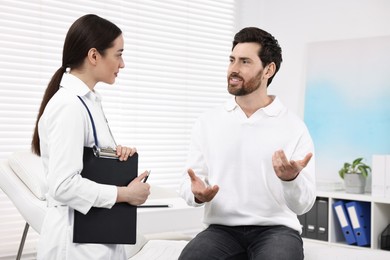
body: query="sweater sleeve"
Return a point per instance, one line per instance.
(300, 193)
(196, 162)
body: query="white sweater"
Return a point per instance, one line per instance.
(235, 152)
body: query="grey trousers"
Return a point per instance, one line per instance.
(245, 242)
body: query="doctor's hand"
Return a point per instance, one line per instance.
(124, 152)
(202, 192)
(136, 192)
(288, 170)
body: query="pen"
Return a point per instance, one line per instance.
(147, 176)
(155, 206)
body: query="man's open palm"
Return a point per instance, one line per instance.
(201, 191)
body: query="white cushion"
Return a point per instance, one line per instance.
(160, 250)
(29, 168)
(132, 250)
(30, 207)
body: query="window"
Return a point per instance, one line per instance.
(176, 56)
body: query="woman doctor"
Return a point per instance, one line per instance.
(92, 53)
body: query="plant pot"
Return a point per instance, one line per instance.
(354, 183)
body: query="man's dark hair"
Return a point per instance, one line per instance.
(270, 50)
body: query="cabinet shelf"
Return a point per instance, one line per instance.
(380, 218)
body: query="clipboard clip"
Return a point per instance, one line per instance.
(107, 153)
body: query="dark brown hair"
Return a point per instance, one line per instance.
(270, 50)
(89, 31)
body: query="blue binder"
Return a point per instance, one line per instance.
(344, 221)
(360, 216)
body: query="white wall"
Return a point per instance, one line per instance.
(296, 23)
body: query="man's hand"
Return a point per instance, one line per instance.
(288, 170)
(201, 191)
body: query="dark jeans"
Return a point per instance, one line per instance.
(245, 242)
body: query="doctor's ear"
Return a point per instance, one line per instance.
(93, 55)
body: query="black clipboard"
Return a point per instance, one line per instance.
(117, 225)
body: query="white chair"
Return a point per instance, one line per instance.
(22, 180)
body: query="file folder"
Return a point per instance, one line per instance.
(385, 239)
(344, 221)
(360, 216)
(311, 222)
(315, 222)
(322, 219)
(117, 225)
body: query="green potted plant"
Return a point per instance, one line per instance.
(354, 175)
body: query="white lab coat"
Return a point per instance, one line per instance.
(64, 130)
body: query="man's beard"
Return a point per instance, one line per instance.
(247, 87)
